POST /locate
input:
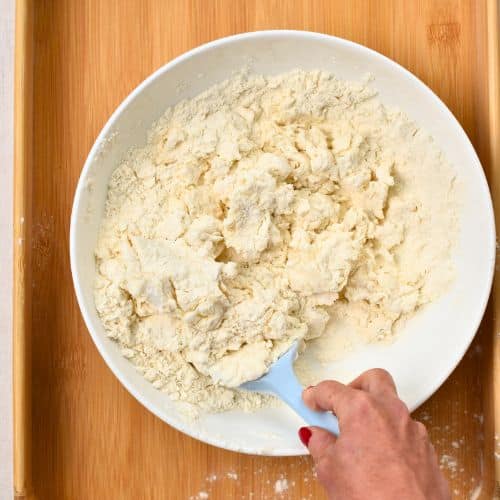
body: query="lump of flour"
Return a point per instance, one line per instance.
(256, 211)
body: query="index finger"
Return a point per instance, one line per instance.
(329, 395)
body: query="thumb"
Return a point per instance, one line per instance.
(319, 441)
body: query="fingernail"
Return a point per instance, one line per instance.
(304, 435)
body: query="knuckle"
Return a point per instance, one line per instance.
(421, 429)
(362, 402)
(327, 390)
(380, 374)
(398, 408)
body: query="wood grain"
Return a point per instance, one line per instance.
(90, 438)
(21, 318)
(493, 16)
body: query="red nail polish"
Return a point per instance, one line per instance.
(305, 434)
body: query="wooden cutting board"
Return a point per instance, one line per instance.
(78, 433)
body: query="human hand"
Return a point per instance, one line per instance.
(381, 452)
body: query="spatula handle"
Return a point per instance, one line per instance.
(281, 381)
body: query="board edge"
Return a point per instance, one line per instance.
(23, 108)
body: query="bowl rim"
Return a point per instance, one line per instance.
(276, 34)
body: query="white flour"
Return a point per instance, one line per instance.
(256, 213)
(280, 486)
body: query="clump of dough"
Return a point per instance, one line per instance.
(254, 211)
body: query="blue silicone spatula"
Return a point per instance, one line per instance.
(281, 381)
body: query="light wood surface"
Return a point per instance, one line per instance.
(90, 438)
(23, 127)
(493, 15)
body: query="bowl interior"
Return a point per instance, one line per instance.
(433, 341)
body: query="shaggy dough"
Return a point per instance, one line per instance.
(257, 211)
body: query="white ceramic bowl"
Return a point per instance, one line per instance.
(433, 342)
